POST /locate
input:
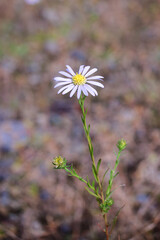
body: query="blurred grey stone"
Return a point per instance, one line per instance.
(79, 55)
(52, 48)
(9, 65)
(35, 79)
(13, 135)
(34, 67)
(5, 198)
(50, 15)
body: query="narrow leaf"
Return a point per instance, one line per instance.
(82, 119)
(98, 165)
(88, 184)
(116, 174)
(115, 219)
(90, 192)
(94, 173)
(93, 183)
(97, 190)
(104, 175)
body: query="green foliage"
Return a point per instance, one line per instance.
(106, 205)
(98, 165)
(90, 192)
(95, 174)
(96, 188)
(73, 173)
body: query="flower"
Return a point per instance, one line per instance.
(121, 145)
(59, 162)
(32, 1)
(79, 81)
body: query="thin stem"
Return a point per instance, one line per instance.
(87, 130)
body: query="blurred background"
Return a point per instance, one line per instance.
(120, 38)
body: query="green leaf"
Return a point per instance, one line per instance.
(97, 190)
(108, 192)
(82, 118)
(104, 175)
(115, 219)
(94, 172)
(98, 165)
(90, 192)
(81, 179)
(88, 183)
(116, 174)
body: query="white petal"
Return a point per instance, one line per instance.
(85, 70)
(61, 83)
(63, 88)
(81, 69)
(79, 92)
(70, 70)
(73, 91)
(65, 74)
(62, 79)
(91, 90)
(96, 83)
(84, 90)
(91, 72)
(71, 86)
(95, 78)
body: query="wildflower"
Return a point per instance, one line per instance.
(59, 162)
(32, 1)
(79, 81)
(121, 145)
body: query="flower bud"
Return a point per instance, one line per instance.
(59, 162)
(121, 145)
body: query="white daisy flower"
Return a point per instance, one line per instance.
(80, 81)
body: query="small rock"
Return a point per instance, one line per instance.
(13, 135)
(44, 195)
(61, 106)
(35, 79)
(52, 48)
(55, 119)
(65, 228)
(79, 55)
(50, 15)
(142, 198)
(5, 198)
(33, 67)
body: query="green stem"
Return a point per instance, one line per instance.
(73, 173)
(90, 146)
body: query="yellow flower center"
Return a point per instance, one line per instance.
(78, 79)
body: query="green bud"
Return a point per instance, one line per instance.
(106, 206)
(110, 202)
(59, 162)
(121, 145)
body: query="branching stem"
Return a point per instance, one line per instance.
(90, 146)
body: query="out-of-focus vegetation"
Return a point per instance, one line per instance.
(120, 38)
